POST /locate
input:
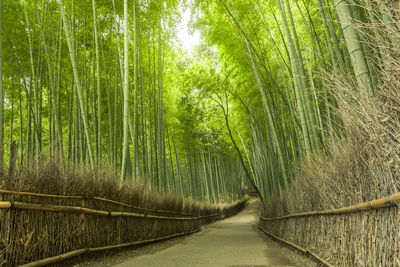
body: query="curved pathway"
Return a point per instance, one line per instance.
(235, 241)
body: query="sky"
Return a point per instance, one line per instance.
(187, 40)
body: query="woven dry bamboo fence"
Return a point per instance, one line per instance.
(40, 229)
(367, 234)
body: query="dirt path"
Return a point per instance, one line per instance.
(232, 242)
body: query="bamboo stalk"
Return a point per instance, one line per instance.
(390, 201)
(139, 242)
(79, 89)
(95, 198)
(73, 209)
(306, 251)
(55, 259)
(140, 208)
(81, 210)
(55, 208)
(1, 93)
(38, 194)
(65, 256)
(5, 205)
(125, 146)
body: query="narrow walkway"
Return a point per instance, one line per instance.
(232, 242)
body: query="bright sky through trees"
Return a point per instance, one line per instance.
(188, 38)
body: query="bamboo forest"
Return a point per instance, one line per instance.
(239, 126)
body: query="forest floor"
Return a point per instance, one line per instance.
(236, 241)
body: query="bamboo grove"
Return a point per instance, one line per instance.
(105, 83)
(86, 82)
(282, 60)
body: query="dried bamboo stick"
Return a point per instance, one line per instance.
(73, 209)
(71, 254)
(5, 205)
(56, 208)
(55, 259)
(38, 194)
(95, 198)
(385, 202)
(140, 208)
(137, 242)
(109, 201)
(209, 216)
(306, 251)
(137, 215)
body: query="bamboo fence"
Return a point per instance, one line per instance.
(41, 229)
(366, 234)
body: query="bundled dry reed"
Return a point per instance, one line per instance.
(29, 235)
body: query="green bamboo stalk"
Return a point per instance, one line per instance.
(98, 86)
(32, 85)
(354, 46)
(297, 84)
(125, 153)
(270, 120)
(310, 111)
(72, 53)
(135, 88)
(1, 93)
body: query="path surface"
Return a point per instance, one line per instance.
(232, 242)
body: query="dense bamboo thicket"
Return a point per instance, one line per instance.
(312, 63)
(99, 83)
(316, 84)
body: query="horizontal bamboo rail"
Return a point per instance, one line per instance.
(141, 208)
(94, 198)
(39, 194)
(74, 209)
(305, 251)
(17, 205)
(68, 255)
(385, 202)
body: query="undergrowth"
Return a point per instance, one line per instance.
(53, 178)
(361, 162)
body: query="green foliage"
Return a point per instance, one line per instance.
(260, 62)
(169, 125)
